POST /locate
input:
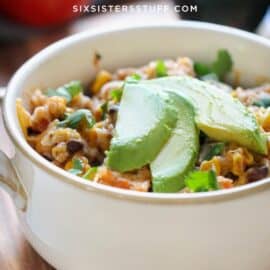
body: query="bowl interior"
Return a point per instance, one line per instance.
(72, 58)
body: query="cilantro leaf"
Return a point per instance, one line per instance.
(68, 91)
(214, 149)
(77, 166)
(90, 173)
(59, 93)
(77, 117)
(73, 88)
(200, 181)
(201, 69)
(116, 94)
(134, 78)
(104, 109)
(263, 102)
(161, 70)
(223, 63)
(220, 67)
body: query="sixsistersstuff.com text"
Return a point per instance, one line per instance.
(158, 8)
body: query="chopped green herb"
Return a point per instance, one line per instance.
(134, 78)
(200, 181)
(90, 173)
(68, 91)
(116, 94)
(74, 88)
(77, 117)
(161, 70)
(201, 69)
(213, 150)
(263, 102)
(60, 92)
(77, 166)
(221, 66)
(223, 63)
(104, 109)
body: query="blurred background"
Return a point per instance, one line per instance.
(27, 26)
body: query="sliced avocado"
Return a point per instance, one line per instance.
(217, 113)
(179, 154)
(145, 122)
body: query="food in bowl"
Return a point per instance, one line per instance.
(168, 126)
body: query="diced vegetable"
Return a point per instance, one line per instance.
(263, 102)
(200, 181)
(23, 116)
(213, 149)
(133, 78)
(77, 166)
(256, 173)
(68, 91)
(102, 77)
(104, 109)
(221, 66)
(201, 69)
(161, 70)
(90, 174)
(223, 63)
(116, 94)
(78, 117)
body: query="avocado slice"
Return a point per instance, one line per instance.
(179, 154)
(217, 113)
(145, 121)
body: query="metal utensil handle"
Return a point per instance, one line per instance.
(9, 178)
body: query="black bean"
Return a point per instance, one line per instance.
(112, 112)
(96, 163)
(32, 132)
(74, 146)
(113, 109)
(256, 173)
(231, 176)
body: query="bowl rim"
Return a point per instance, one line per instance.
(60, 174)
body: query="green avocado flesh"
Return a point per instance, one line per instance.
(217, 114)
(179, 154)
(145, 122)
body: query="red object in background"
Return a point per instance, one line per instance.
(40, 12)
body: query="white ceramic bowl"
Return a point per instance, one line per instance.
(76, 224)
